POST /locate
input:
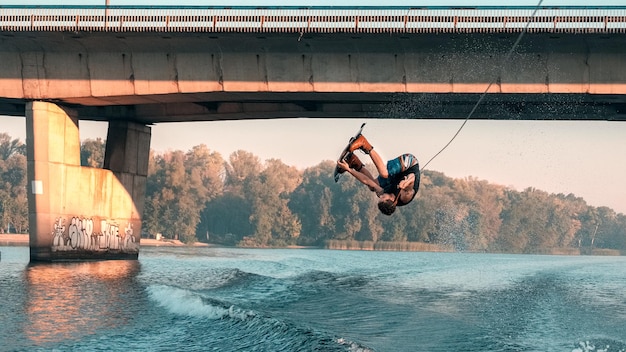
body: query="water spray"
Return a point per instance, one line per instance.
(482, 96)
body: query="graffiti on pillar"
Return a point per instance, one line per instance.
(58, 234)
(80, 235)
(129, 239)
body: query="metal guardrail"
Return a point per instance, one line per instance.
(313, 19)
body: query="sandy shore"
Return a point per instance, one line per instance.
(22, 240)
(13, 240)
(149, 242)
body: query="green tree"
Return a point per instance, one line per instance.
(226, 217)
(590, 221)
(487, 203)
(13, 197)
(6, 204)
(514, 234)
(440, 213)
(246, 202)
(366, 208)
(10, 147)
(269, 196)
(421, 222)
(564, 222)
(205, 172)
(395, 227)
(171, 197)
(527, 224)
(152, 206)
(312, 201)
(346, 207)
(616, 234)
(242, 167)
(92, 152)
(179, 186)
(600, 237)
(226, 220)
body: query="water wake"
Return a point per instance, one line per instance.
(186, 303)
(248, 327)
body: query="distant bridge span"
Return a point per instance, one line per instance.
(134, 66)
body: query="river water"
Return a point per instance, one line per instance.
(225, 299)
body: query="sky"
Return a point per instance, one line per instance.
(586, 158)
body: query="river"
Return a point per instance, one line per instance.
(229, 299)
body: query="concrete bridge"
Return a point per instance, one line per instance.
(134, 66)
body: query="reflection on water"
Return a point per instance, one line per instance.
(57, 307)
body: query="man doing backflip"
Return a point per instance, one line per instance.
(397, 182)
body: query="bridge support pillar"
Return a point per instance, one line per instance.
(83, 213)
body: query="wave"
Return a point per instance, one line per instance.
(337, 281)
(184, 302)
(250, 327)
(600, 345)
(233, 277)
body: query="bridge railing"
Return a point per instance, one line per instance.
(316, 20)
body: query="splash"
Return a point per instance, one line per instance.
(600, 345)
(187, 303)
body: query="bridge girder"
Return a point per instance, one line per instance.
(225, 106)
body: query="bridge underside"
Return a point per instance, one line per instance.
(265, 105)
(170, 77)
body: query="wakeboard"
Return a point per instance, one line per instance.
(345, 151)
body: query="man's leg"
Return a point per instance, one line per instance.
(362, 143)
(355, 163)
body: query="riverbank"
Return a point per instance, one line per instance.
(22, 240)
(13, 240)
(150, 242)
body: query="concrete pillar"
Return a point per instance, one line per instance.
(127, 156)
(80, 212)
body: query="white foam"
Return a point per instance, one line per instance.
(352, 346)
(184, 302)
(586, 346)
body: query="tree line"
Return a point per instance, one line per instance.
(200, 196)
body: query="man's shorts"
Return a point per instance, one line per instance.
(400, 164)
